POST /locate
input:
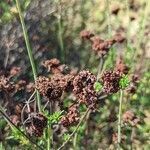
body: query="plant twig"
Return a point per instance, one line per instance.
(100, 67)
(29, 50)
(119, 119)
(128, 21)
(60, 33)
(72, 134)
(108, 18)
(49, 128)
(9, 121)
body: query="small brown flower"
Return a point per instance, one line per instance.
(63, 81)
(100, 46)
(64, 69)
(110, 81)
(119, 38)
(82, 80)
(48, 88)
(85, 34)
(121, 67)
(30, 87)
(129, 117)
(134, 84)
(38, 120)
(84, 88)
(72, 116)
(20, 85)
(15, 71)
(37, 124)
(52, 65)
(5, 84)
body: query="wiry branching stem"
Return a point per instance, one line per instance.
(29, 50)
(72, 134)
(119, 119)
(11, 123)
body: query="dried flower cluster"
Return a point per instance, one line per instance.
(100, 46)
(5, 84)
(15, 71)
(38, 122)
(134, 84)
(54, 66)
(84, 88)
(72, 116)
(121, 67)
(48, 88)
(82, 85)
(110, 81)
(129, 117)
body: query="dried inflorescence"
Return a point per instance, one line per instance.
(20, 85)
(129, 117)
(72, 116)
(134, 84)
(30, 87)
(115, 138)
(5, 84)
(15, 71)
(86, 34)
(118, 38)
(54, 66)
(110, 81)
(51, 64)
(84, 88)
(100, 46)
(121, 67)
(38, 123)
(63, 81)
(48, 88)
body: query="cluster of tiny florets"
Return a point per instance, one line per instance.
(134, 84)
(72, 116)
(37, 124)
(110, 81)
(121, 67)
(130, 118)
(54, 66)
(100, 46)
(6, 84)
(84, 88)
(48, 88)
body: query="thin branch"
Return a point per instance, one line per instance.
(29, 50)
(72, 134)
(108, 18)
(9, 121)
(119, 119)
(100, 67)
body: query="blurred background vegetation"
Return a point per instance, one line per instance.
(54, 28)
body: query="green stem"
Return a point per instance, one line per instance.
(29, 50)
(48, 138)
(119, 119)
(60, 34)
(49, 129)
(75, 141)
